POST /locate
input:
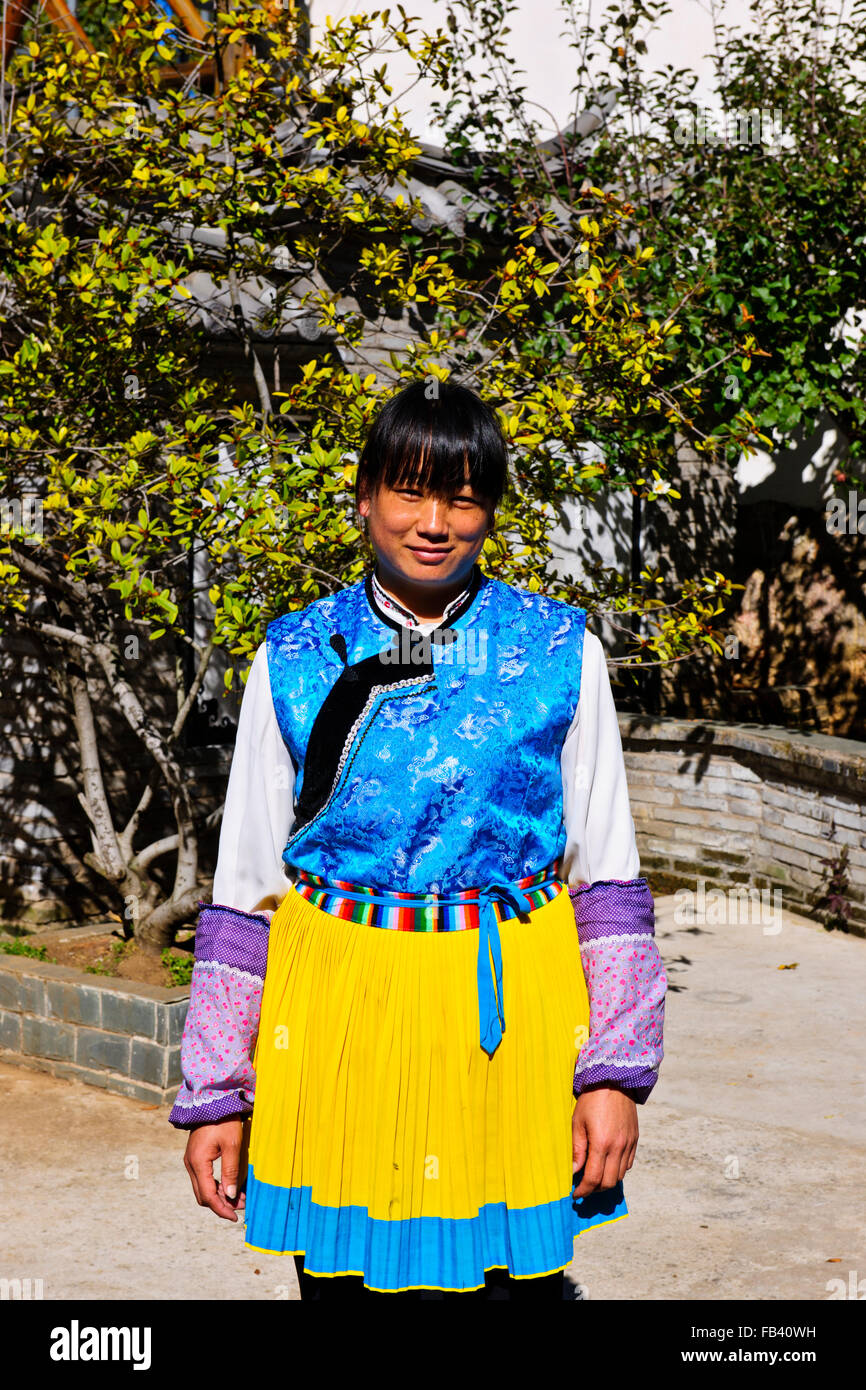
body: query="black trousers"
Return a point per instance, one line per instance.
(498, 1284)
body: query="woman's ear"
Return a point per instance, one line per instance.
(363, 500)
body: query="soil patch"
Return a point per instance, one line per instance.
(109, 954)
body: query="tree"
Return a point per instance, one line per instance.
(128, 207)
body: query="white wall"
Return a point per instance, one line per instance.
(683, 39)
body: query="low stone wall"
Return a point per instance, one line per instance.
(745, 804)
(117, 1034)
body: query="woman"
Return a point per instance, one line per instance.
(463, 1000)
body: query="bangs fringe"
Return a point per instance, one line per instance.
(427, 442)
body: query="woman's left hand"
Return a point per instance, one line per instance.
(604, 1135)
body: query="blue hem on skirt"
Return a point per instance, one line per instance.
(422, 1251)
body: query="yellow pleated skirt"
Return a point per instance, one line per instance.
(385, 1141)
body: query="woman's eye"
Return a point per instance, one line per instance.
(413, 493)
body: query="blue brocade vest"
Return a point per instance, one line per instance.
(427, 763)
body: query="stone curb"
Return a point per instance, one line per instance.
(841, 757)
(752, 805)
(117, 1034)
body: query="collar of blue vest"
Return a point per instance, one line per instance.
(456, 608)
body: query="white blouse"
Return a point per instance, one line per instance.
(258, 815)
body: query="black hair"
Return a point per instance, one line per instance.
(426, 434)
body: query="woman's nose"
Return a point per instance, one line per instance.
(433, 517)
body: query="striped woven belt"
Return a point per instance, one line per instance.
(467, 909)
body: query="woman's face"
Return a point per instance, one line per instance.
(425, 538)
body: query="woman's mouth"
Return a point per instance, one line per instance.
(428, 552)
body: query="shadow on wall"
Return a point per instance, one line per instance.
(795, 635)
(800, 630)
(799, 649)
(45, 836)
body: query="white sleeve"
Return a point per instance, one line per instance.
(600, 837)
(259, 805)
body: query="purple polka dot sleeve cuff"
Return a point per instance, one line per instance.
(231, 951)
(626, 982)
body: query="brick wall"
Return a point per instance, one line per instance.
(118, 1034)
(747, 804)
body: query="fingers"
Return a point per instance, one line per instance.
(231, 1157)
(579, 1150)
(237, 1203)
(245, 1151)
(579, 1145)
(627, 1159)
(204, 1146)
(593, 1172)
(189, 1168)
(210, 1194)
(605, 1161)
(230, 1175)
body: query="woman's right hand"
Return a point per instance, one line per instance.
(228, 1141)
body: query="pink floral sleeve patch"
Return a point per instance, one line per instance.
(626, 983)
(222, 1020)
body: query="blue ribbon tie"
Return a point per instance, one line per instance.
(491, 1014)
